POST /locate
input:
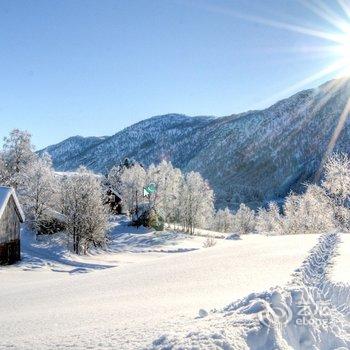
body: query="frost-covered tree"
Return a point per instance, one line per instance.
(291, 222)
(337, 177)
(168, 180)
(133, 181)
(17, 154)
(196, 202)
(269, 220)
(82, 204)
(337, 185)
(39, 191)
(223, 220)
(244, 220)
(310, 212)
(114, 176)
(3, 171)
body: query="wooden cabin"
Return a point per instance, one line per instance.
(114, 201)
(11, 217)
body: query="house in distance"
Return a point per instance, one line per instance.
(114, 201)
(11, 217)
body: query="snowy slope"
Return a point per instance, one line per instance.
(250, 157)
(148, 141)
(309, 313)
(64, 153)
(126, 298)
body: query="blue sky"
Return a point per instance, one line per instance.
(94, 67)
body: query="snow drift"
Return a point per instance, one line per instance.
(309, 313)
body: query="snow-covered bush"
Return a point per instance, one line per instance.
(223, 220)
(310, 212)
(209, 242)
(244, 220)
(196, 202)
(147, 217)
(82, 204)
(269, 220)
(155, 220)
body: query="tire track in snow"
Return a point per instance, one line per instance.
(314, 273)
(310, 313)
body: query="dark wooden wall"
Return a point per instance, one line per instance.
(10, 252)
(10, 234)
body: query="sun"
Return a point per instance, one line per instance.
(335, 49)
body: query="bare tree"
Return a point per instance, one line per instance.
(115, 174)
(196, 202)
(133, 180)
(17, 154)
(165, 200)
(82, 204)
(39, 191)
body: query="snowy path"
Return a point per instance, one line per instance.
(341, 270)
(128, 306)
(310, 313)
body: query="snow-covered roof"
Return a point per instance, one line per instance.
(57, 215)
(5, 195)
(74, 173)
(115, 192)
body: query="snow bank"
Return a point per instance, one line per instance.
(307, 314)
(340, 272)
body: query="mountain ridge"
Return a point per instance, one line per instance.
(249, 157)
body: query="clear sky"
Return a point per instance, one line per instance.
(93, 67)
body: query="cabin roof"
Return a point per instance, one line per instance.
(5, 195)
(115, 192)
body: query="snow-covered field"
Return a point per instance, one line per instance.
(147, 290)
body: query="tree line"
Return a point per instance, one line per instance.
(75, 202)
(319, 209)
(182, 200)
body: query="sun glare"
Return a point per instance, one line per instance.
(344, 54)
(336, 49)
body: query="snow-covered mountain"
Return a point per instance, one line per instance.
(250, 157)
(64, 152)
